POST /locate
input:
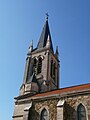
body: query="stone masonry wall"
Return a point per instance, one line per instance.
(70, 107)
(50, 105)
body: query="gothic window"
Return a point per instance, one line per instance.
(51, 70)
(44, 115)
(39, 68)
(35, 66)
(54, 71)
(28, 70)
(81, 112)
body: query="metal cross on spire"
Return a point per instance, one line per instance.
(47, 15)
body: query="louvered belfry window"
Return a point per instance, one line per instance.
(39, 67)
(54, 71)
(51, 71)
(81, 112)
(35, 66)
(28, 70)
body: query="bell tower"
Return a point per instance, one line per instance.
(42, 65)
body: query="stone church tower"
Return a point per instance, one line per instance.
(42, 66)
(40, 97)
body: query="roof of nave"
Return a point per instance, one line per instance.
(80, 89)
(62, 92)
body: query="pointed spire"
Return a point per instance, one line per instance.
(44, 35)
(30, 47)
(48, 44)
(47, 16)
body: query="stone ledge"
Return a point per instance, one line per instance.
(17, 116)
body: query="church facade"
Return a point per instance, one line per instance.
(40, 97)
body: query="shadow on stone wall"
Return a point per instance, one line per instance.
(33, 114)
(69, 112)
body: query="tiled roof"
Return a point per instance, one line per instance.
(74, 90)
(64, 90)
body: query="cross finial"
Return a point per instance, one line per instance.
(47, 16)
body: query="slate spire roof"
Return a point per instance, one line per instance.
(44, 36)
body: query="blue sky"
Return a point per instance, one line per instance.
(23, 20)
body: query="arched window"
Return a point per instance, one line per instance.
(28, 71)
(35, 66)
(39, 68)
(81, 112)
(44, 115)
(51, 71)
(54, 71)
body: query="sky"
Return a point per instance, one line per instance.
(22, 21)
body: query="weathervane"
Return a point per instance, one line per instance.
(47, 16)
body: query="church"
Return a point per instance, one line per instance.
(40, 97)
